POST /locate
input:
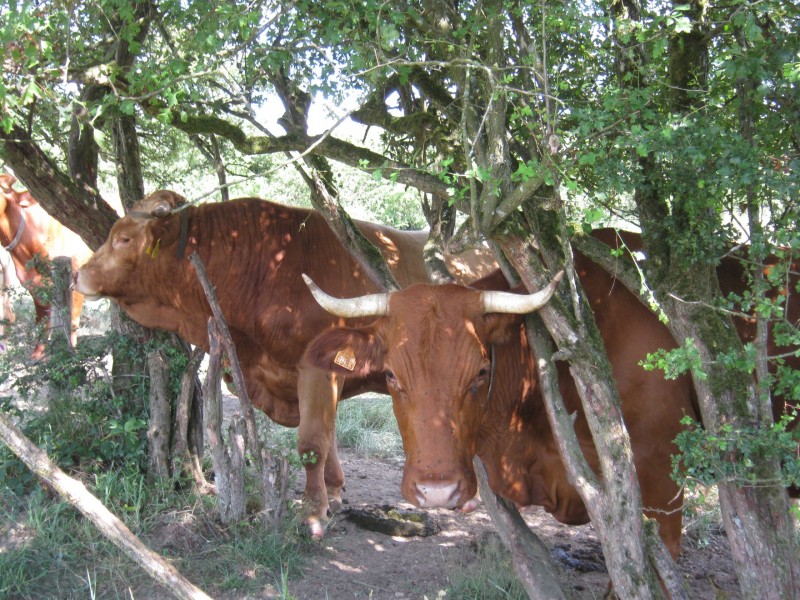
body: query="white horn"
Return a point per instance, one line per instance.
(372, 305)
(519, 304)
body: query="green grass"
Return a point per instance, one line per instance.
(367, 424)
(56, 553)
(489, 576)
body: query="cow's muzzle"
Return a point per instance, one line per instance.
(438, 492)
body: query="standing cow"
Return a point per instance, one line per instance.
(254, 252)
(463, 382)
(33, 237)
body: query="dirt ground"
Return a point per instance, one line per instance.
(356, 563)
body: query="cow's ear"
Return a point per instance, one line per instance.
(24, 199)
(353, 352)
(501, 328)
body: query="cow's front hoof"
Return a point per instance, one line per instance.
(470, 505)
(334, 504)
(316, 527)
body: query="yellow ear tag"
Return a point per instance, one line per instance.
(152, 251)
(345, 359)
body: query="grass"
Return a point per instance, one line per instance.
(489, 576)
(367, 424)
(55, 553)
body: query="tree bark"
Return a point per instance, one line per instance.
(619, 524)
(160, 422)
(110, 526)
(228, 480)
(270, 470)
(181, 457)
(757, 517)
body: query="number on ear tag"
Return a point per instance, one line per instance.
(345, 359)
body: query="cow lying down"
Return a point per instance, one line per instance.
(254, 252)
(463, 383)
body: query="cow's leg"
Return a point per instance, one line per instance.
(318, 393)
(75, 317)
(334, 475)
(43, 329)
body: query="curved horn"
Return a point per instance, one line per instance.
(372, 305)
(519, 304)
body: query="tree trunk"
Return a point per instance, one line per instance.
(182, 454)
(160, 422)
(110, 526)
(128, 159)
(270, 470)
(619, 524)
(227, 463)
(757, 516)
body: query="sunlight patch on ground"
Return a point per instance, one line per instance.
(346, 568)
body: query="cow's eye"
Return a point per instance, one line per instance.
(392, 381)
(480, 379)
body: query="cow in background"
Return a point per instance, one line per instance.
(33, 237)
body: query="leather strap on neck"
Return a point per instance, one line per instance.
(184, 233)
(18, 236)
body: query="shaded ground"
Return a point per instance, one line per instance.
(354, 563)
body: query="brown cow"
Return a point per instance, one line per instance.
(29, 233)
(254, 252)
(464, 383)
(435, 344)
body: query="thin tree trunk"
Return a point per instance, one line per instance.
(619, 524)
(229, 481)
(160, 425)
(180, 455)
(757, 517)
(269, 468)
(110, 526)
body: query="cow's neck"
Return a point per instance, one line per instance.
(12, 226)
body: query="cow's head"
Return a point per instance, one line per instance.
(434, 345)
(9, 194)
(136, 237)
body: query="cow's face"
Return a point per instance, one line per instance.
(434, 345)
(108, 271)
(134, 239)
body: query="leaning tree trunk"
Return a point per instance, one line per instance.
(619, 524)
(74, 492)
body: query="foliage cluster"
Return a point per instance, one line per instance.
(734, 454)
(66, 406)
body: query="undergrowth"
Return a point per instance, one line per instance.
(67, 406)
(489, 576)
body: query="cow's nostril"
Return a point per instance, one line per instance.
(437, 495)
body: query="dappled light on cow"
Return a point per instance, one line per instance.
(434, 344)
(254, 252)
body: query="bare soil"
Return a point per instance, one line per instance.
(352, 562)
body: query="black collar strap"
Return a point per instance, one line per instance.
(184, 232)
(491, 373)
